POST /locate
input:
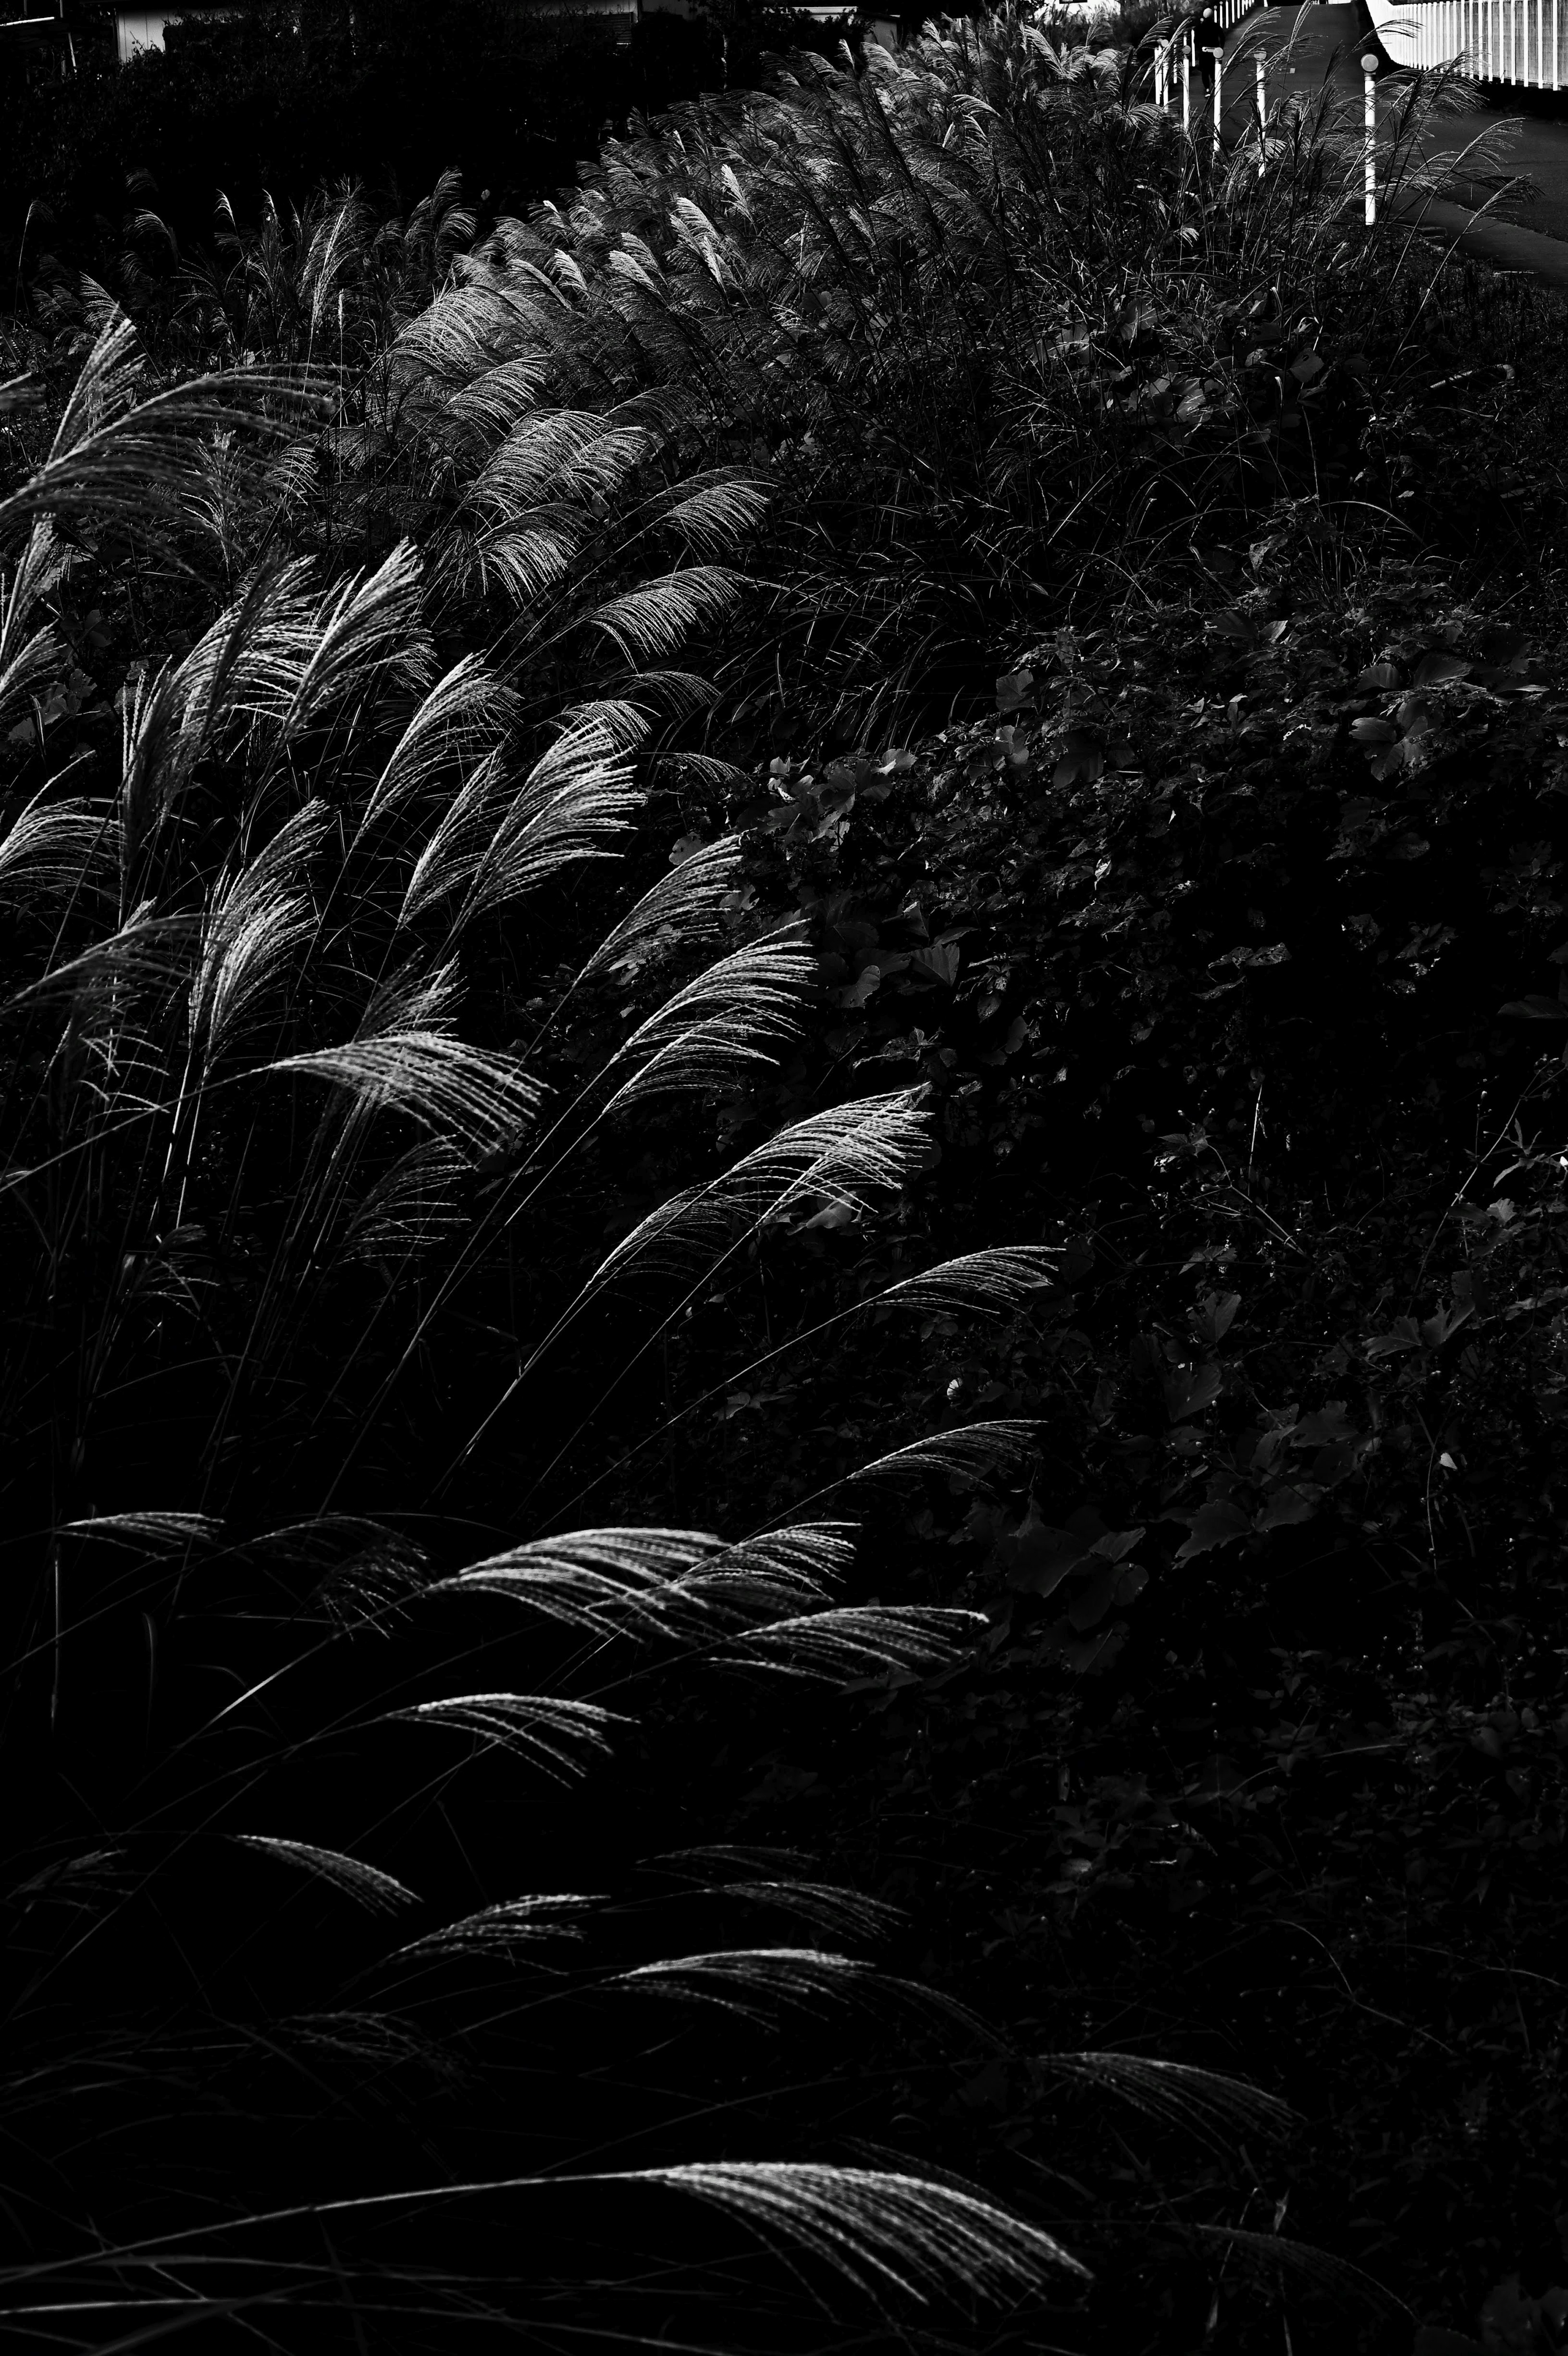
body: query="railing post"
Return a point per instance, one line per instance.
(1369, 68)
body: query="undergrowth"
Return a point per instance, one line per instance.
(985, 1217)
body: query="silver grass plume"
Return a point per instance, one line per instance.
(61, 848)
(1204, 2102)
(879, 2228)
(844, 1157)
(379, 1892)
(502, 1929)
(719, 1028)
(549, 1730)
(650, 1584)
(764, 1983)
(497, 842)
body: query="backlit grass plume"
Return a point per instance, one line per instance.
(327, 1055)
(384, 1106)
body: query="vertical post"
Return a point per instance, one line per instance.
(1218, 57)
(1369, 68)
(1262, 103)
(1159, 73)
(1186, 85)
(1554, 80)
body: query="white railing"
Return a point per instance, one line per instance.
(1177, 70)
(1486, 40)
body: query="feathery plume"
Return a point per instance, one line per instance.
(547, 1729)
(378, 1893)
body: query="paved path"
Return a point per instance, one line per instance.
(1504, 244)
(1537, 147)
(1323, 44)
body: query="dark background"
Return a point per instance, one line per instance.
(290, 94)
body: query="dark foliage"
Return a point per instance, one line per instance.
(1219, 943)
(1231, 953)
(283, 97)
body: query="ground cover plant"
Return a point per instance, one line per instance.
(428, 1240)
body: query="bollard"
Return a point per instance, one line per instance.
(1369, 68)
(1217, 57)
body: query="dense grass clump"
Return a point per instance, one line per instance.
(483, 1316)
